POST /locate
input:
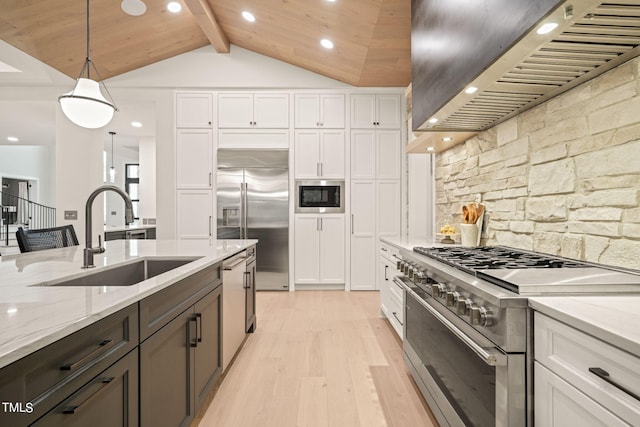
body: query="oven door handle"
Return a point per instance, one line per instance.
(491, 356)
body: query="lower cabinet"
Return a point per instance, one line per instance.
(319, 246)
(180, 363)
(391, 294)
(580, 380)
(110, 399)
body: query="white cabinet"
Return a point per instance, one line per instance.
(376, 111)
(194, 109)
(376, 154)
(194, 158)
(388, 208)
(319, 249)
(391, 295)
(253, 110)
(319, 111)
(319, 154)
(194, 216)
(581, 380)
(363, 235)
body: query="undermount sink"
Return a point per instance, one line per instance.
(126, 274)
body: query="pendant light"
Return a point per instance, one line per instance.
(85, 105)
(112, 169)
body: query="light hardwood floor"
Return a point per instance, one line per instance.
(318, 358)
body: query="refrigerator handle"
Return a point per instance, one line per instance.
(246, 206)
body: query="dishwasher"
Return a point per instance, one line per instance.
(233, 305)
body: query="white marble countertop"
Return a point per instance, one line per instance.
(611, 318)
(33, 314)
(409, 244)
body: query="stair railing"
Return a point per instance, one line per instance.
(24, 212)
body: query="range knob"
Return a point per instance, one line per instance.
(438, 290)
(481, 316)
(419, 276)
(463, 306)
(451, 298)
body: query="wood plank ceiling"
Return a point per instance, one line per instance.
(372, 37)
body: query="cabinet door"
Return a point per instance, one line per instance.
(388, 202)
(194, 214)
(363, 111)
(110, 399)
(167, 374)
(207, 359)
(332, 154)
(194, 110)
(307, 111)
(363, 235)
(271, 110)
(235, 110)
(388, 111)
(332, 111)
(307, 145)
(307, 249)
(332, 246)
(557, 403)
(388, 154)
(194, 158)
(363, 154)
(250, 297)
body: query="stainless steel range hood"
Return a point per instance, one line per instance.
(592, 37)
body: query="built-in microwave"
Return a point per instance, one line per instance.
(320, 196)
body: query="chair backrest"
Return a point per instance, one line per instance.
(46, 238)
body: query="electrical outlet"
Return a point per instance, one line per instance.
(114, 213)
(70, 215)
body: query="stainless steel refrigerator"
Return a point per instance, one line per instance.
(253, 203)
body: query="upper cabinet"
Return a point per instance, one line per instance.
(253, 110)
(376, 154)
(319, 154)
(319, 111)
(194, 109)
(376, 111)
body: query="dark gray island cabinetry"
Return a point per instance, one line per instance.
(180, 360)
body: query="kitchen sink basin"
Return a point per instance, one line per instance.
(125, 274)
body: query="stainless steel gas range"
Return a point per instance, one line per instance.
(468, 330)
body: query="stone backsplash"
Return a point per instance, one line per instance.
(562, 178)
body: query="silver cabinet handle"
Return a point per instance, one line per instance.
(321, 224)
(318, 168)
(317, 223)
(321, 171)
(210, 221)
(396, 316)
(351, 223)
(210, 181)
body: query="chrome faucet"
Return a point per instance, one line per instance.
(128, 214)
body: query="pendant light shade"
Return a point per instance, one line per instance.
(85, 105)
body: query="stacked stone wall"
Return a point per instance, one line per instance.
(561, 178)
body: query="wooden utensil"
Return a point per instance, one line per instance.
(473, 214)
(465, 214)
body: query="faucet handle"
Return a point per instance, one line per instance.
(100, 248)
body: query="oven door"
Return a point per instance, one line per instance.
(466, 380)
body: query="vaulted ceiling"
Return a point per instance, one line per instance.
(371, 37)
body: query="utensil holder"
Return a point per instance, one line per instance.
(469, 234)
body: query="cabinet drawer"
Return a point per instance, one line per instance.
(558, 403)
(390, 252)
(160, 308)
(111, 398)
(49, 375)
(577, 358)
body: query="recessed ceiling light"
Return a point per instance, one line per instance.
(471, 89)
(12, 139)
(430, 148)
(447, 139)
(547, 28)
(174, 7)
(433, 120)
(326, 43)
(136, 124)
(248, 16)
(331, 1)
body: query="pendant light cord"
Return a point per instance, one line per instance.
(88, 32)
(112, 133)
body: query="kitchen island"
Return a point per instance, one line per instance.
(34, 313)
(108, 343)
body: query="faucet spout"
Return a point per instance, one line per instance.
(89, 250)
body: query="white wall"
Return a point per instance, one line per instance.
(147, 155)
(32, 163)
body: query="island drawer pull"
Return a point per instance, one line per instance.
(604, 375)
(103, 347)
(71, 409)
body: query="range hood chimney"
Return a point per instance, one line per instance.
(591, 37)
